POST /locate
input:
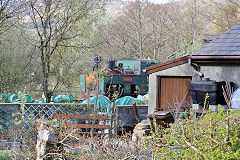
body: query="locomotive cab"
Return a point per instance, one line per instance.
(129, 75)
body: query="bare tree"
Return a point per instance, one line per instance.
(10, 12)
(57, 25)
(146, 30)
(223, 14)
(128, 34)
(13, 61)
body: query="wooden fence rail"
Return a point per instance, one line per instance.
(85, 126)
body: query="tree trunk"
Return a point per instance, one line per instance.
(41, 142)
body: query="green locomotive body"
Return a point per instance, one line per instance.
(128, 74)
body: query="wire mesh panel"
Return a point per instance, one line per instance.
(45, 111)
(6, 116)
(28, 113)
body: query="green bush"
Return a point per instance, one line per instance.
(5, 156)
(214, 136)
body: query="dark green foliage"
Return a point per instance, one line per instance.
(215, 136)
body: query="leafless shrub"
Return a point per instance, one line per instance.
(21, 142)
(70, 143)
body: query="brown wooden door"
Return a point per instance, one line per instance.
(173, 92)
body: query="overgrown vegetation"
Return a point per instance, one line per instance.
(212, 136)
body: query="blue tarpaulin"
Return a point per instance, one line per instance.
(104, 105)
(127, 100)
(59, 98)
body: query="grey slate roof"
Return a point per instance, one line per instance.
(226, 44)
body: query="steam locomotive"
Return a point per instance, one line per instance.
(128, 74)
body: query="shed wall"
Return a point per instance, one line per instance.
(217, 72)
(222, 72)
(181, 70)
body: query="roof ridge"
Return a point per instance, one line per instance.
(227, 44)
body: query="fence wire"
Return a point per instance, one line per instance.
(10, 113)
